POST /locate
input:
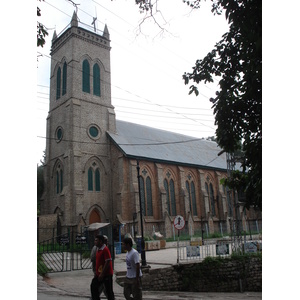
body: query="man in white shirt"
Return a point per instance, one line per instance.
(133, 282)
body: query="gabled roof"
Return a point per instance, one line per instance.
(143, 142)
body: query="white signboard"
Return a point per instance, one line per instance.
(179, 222)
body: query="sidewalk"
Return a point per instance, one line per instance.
(77, 283)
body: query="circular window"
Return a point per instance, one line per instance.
(59, 134)
(94, 132)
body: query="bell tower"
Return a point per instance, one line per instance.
(77, 172)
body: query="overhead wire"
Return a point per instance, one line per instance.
(149, 101)
(159, 105)
(163, 106)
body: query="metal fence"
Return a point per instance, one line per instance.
(64, 253)
(218, 249)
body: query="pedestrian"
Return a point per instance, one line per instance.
(133, 280)
(93, 260)
(102, 286)
(104, 270)
(93, 256)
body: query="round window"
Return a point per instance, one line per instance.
(94, 132)
(59, 134)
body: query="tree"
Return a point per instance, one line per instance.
(237, 60)
(41, 30)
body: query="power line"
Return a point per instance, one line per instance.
(109, 83)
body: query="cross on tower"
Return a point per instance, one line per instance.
(94, 23)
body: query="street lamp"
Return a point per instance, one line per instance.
(143, 254)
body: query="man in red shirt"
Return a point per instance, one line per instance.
(104, 270)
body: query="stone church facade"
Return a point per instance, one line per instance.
(91, 172)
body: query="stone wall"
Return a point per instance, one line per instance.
(214, 275)
(47, 227)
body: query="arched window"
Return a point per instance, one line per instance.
(57, 182)
(192, 197)
(97, 180)
(94, 178)
(59, 179)
(149, 197)
(146, 196)
(210, 194)
(193, 193)
(173, 202)
(212, 201)
(166, 185)
(90, 179)
(170, 193)
(64, 81)
(58, 81)
(86, 76)
(96, 80)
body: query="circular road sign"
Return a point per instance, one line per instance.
(179, 222)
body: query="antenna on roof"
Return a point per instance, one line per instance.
(94, 20)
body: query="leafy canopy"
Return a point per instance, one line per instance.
(237, 60)
(41, 30)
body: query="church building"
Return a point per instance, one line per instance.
(93, 160)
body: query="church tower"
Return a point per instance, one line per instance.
(77, 170)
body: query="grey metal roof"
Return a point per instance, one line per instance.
(143, 142)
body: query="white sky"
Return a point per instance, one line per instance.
(147, 66)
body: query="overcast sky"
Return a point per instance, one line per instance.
(147, 63)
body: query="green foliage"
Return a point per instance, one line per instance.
(244, 257)
(41, 30)
(213, 260)
(237, 60)
(42, 269)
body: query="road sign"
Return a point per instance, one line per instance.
(179, 222)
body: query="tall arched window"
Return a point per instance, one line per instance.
(166, 185)
(173, 201)
(170, 193)
(97, 180)
(149, 197)
(146, 196)
(58, 82)
(94, 178)
(193, 194)
(212, 201)
(86, 76)
(59, 179)
(96, 80)
(64, 81)
(192, 197)
(90, 179)
(210, 194)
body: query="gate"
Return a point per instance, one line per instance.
(63, 253)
